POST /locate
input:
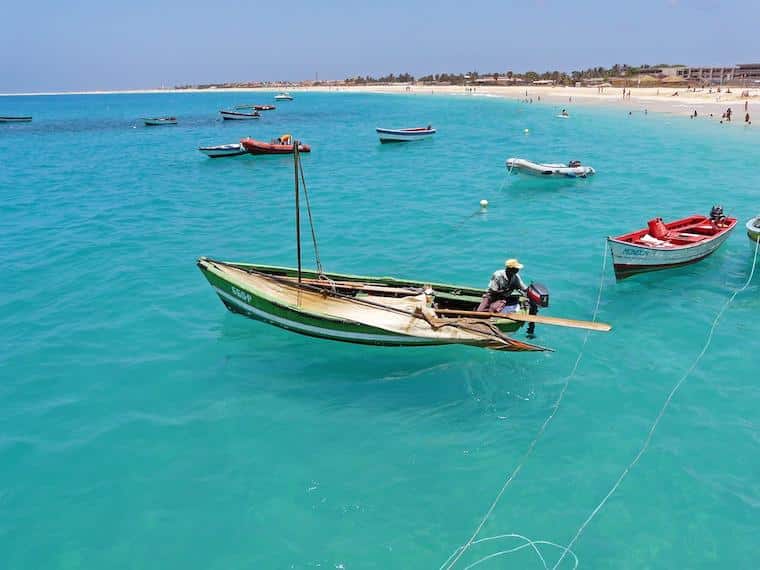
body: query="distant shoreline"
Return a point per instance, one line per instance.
(641, 99)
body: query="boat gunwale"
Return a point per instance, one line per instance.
(494, 320)
(367, 279)
(724, 231)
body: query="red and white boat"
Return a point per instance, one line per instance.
(281, 145)
(662, 246)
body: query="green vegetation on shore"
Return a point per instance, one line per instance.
(617, 71)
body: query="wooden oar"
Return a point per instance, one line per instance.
(588, 325)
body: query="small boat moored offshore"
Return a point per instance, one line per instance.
(403, 135)
(238, 116)
(15, 119)
(753, 229)
(283, 97)
(221, 150)
(573, 169)
(280, 145)
(158, 121)
(662, 246)
(256, 107)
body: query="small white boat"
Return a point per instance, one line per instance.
(573, 169)
(283, 97)
(15, 119)
(403, 135)
(157, 121)
(221, 150)
(753, 230)
(238, 116)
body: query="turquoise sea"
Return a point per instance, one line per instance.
(142, 425)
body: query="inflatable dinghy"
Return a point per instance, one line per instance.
(573, 169)
(753, 230)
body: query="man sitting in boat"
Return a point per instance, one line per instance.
(503, 295)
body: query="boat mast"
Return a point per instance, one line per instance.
(296, 158)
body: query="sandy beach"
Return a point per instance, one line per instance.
(674, 101)
(708, 103)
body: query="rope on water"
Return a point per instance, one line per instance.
(527, 543)
(454, 558)
(664, 407)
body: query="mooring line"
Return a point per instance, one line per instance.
(664, 407)
(462, 549)
(527, 543)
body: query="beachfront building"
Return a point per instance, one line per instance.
(713, 75)
(747, 73)
(662, 71)
(498, 80)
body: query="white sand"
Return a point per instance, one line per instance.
(651, 99)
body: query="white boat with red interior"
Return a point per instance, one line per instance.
(664, 245)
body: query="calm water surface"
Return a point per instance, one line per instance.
(142, 425)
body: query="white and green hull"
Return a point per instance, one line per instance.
(236, 292)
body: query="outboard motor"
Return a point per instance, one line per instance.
(716, 214)
(538, 296)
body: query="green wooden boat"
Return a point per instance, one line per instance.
(382, 311)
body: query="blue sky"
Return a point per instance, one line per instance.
(86, 44)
